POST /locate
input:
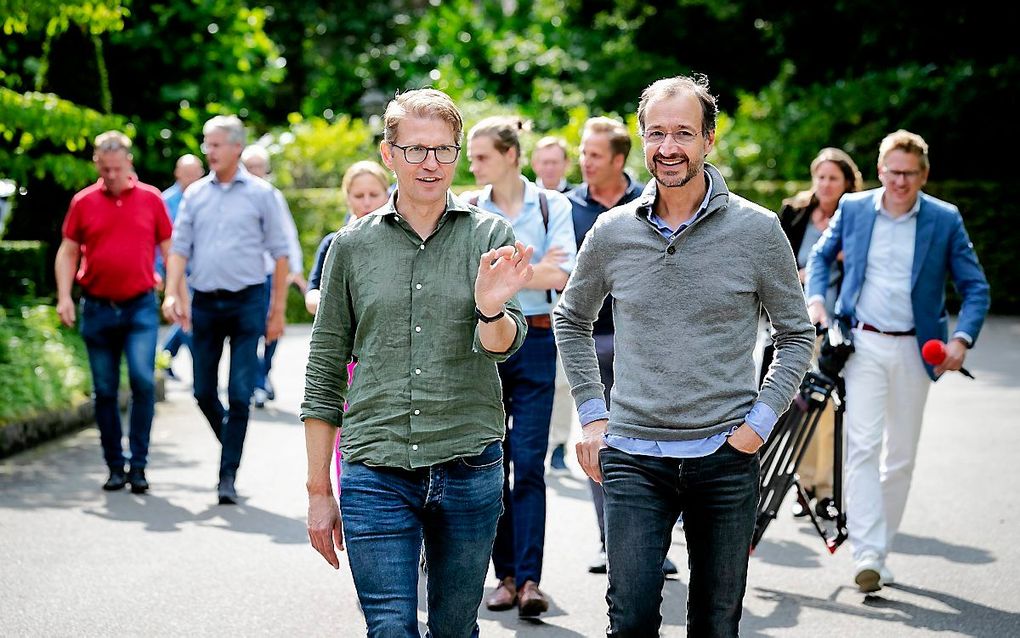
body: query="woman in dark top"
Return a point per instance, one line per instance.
(366, 186)
(804, 217)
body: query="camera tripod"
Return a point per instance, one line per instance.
(783, 452)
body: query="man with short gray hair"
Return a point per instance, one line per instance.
(227, 221)
(689, 265)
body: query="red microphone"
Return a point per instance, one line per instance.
(934, 352)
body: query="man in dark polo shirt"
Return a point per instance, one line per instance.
(113, 228)
(228, 219)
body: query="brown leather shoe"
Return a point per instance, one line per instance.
(531, 601)
(504, 596)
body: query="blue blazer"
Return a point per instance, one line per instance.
(941, 247)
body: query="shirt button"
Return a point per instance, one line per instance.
(671, 250)
(417, 328)
(414, 447)
(120, 203)
(417, 370)
(417, 286)
(422, 247)
(417, 412)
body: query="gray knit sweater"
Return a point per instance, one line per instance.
(686, 317)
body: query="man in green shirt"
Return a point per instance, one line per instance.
(421, 293)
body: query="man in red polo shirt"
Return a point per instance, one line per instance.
(113, 228)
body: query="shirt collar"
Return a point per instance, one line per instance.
(132, 181)
(530, 193)
(646, 205)
(453, 204)
(914, 210)
(631, 186)
(240, 175)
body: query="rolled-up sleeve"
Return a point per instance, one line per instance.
(503, 235)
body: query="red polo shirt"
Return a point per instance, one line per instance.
(118, 236)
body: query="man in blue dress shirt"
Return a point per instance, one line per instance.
(228, 219)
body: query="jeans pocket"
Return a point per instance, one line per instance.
(742, 453)
(490, 457)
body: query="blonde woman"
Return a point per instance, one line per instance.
(366, 185)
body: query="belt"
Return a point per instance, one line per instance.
(227, 294)
(543, 322)
(114, 303)
(891, 333)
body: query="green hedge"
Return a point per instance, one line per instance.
(22, 271)
(43, 365)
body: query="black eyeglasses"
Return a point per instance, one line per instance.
(446, 154)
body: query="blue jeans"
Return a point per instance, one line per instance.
(109, 330)
(529, 383)
(717, 496)
(177, 337)
(268, 347)
(241, 317)
(389, 512)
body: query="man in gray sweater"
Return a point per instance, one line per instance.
(689, 266)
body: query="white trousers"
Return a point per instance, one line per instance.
(886, 389)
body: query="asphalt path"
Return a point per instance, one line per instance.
(76, 561)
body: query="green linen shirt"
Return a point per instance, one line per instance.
(425, 390)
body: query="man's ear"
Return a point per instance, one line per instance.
(386, 153)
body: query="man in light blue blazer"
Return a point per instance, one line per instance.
(898, 245)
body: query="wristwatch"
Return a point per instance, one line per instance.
(484, 319)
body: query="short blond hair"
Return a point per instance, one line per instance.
(619, 136)
(364, 167)
(111, 141)
(423, 103)
(550, 141)
(904, 140)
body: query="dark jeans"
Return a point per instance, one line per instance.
(240, 317)
(717, 496)
(268, 347)
(451, 507)
(529, 383)
(110, 330)
(176, 338)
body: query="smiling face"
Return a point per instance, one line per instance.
(673, 164)
(365, 194)
(903, 177)
(423, 184)
(829, 183)
(599, 165)
(488, 165)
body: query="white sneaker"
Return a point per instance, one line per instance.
(868, 573)
(886, 576)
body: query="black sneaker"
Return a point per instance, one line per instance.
(117, 480)
(136, 477)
